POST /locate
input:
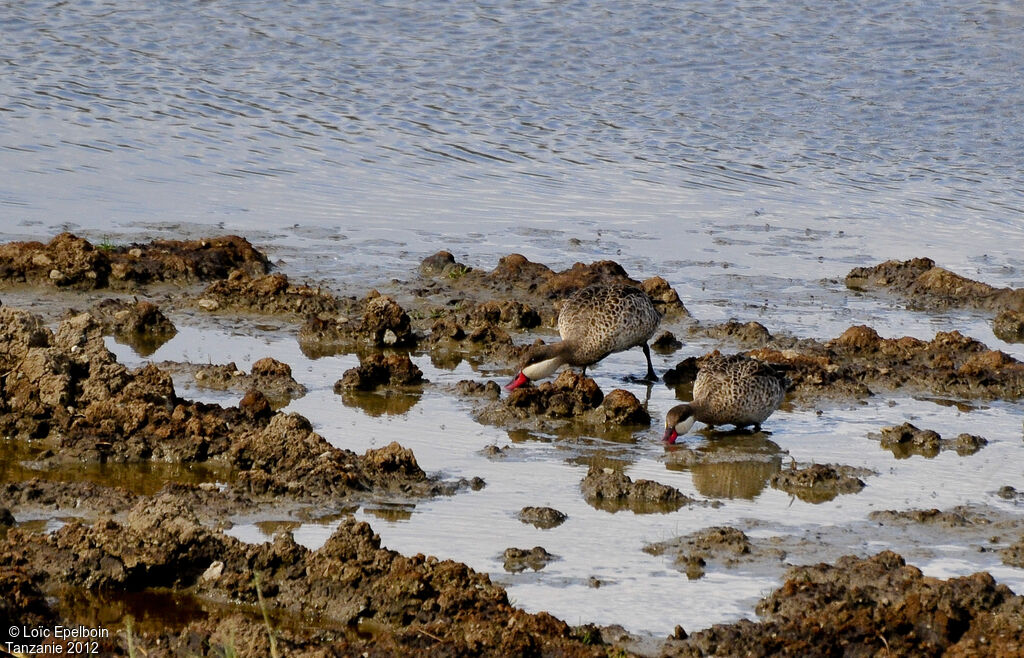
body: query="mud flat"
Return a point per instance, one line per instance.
(118, 493)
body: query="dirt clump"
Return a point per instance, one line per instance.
(906, 440)
(39, 495)
(753, 334)
(567, 405)
(950, 364)
(381, 370)
(473, 388)
(538, 285)
(139, 323)
(1006, 492)
(819, 483)
(612, 490)
(377, 321)
(70, 262)
(871, 606)
(666, 343)
(521, 559)
(925, 285)
(269, 294)
(1009, 326)
(957, 517)
(721, 545)
(1013, 555)
(544, 518)
(269, 376)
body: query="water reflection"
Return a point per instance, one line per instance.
(731, 466)
(383, 403)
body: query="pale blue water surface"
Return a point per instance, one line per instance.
(749, 153)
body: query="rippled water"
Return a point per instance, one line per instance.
(749, 154)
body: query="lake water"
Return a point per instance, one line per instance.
(750, 154)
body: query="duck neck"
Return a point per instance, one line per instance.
(552, 357)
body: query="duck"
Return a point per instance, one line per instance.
(729, 390)
(594, 322)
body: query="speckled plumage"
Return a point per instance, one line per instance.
(599, 320)
(730, 390)
(594, 322)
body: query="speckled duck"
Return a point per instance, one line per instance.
(729, 390)
(593, 323)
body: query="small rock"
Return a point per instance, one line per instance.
(542, 517)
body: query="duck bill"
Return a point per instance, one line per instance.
(670, 435)
(517, 382)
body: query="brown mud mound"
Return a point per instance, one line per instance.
(82, 498)
(537, 284)
(571, 401)
(270, 294)
(957, 517)
(138, 323)
(269, 376)
(927, 286)
(871, 607)
(347, 597)
(612, 490)
(1013, 555)
(380, 370)
(521, 559)
(544, 518)
(1009, 326)
(74, 263)
(951, 365)
(860, 361)
(906, 440)
(375, 322)
(819, 483)
(721, 545)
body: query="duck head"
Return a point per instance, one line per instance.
(678, 421)
(540, 361)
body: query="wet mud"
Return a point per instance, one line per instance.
(906, 440)
(871, 606)
(612, 490)
(724, 547)
(114, 485)
(819, 483)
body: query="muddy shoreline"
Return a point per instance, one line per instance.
(68, 405)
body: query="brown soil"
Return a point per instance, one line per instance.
(906, 440)
(269, 376)
(139, 323)
(723, 546)
(871, 607)
(521, 559)
(819, 483)
(74, 263)
(544, 518)
(379, 370)
(567, 405)
(612, 490)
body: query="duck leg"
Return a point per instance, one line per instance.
(651, 375)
